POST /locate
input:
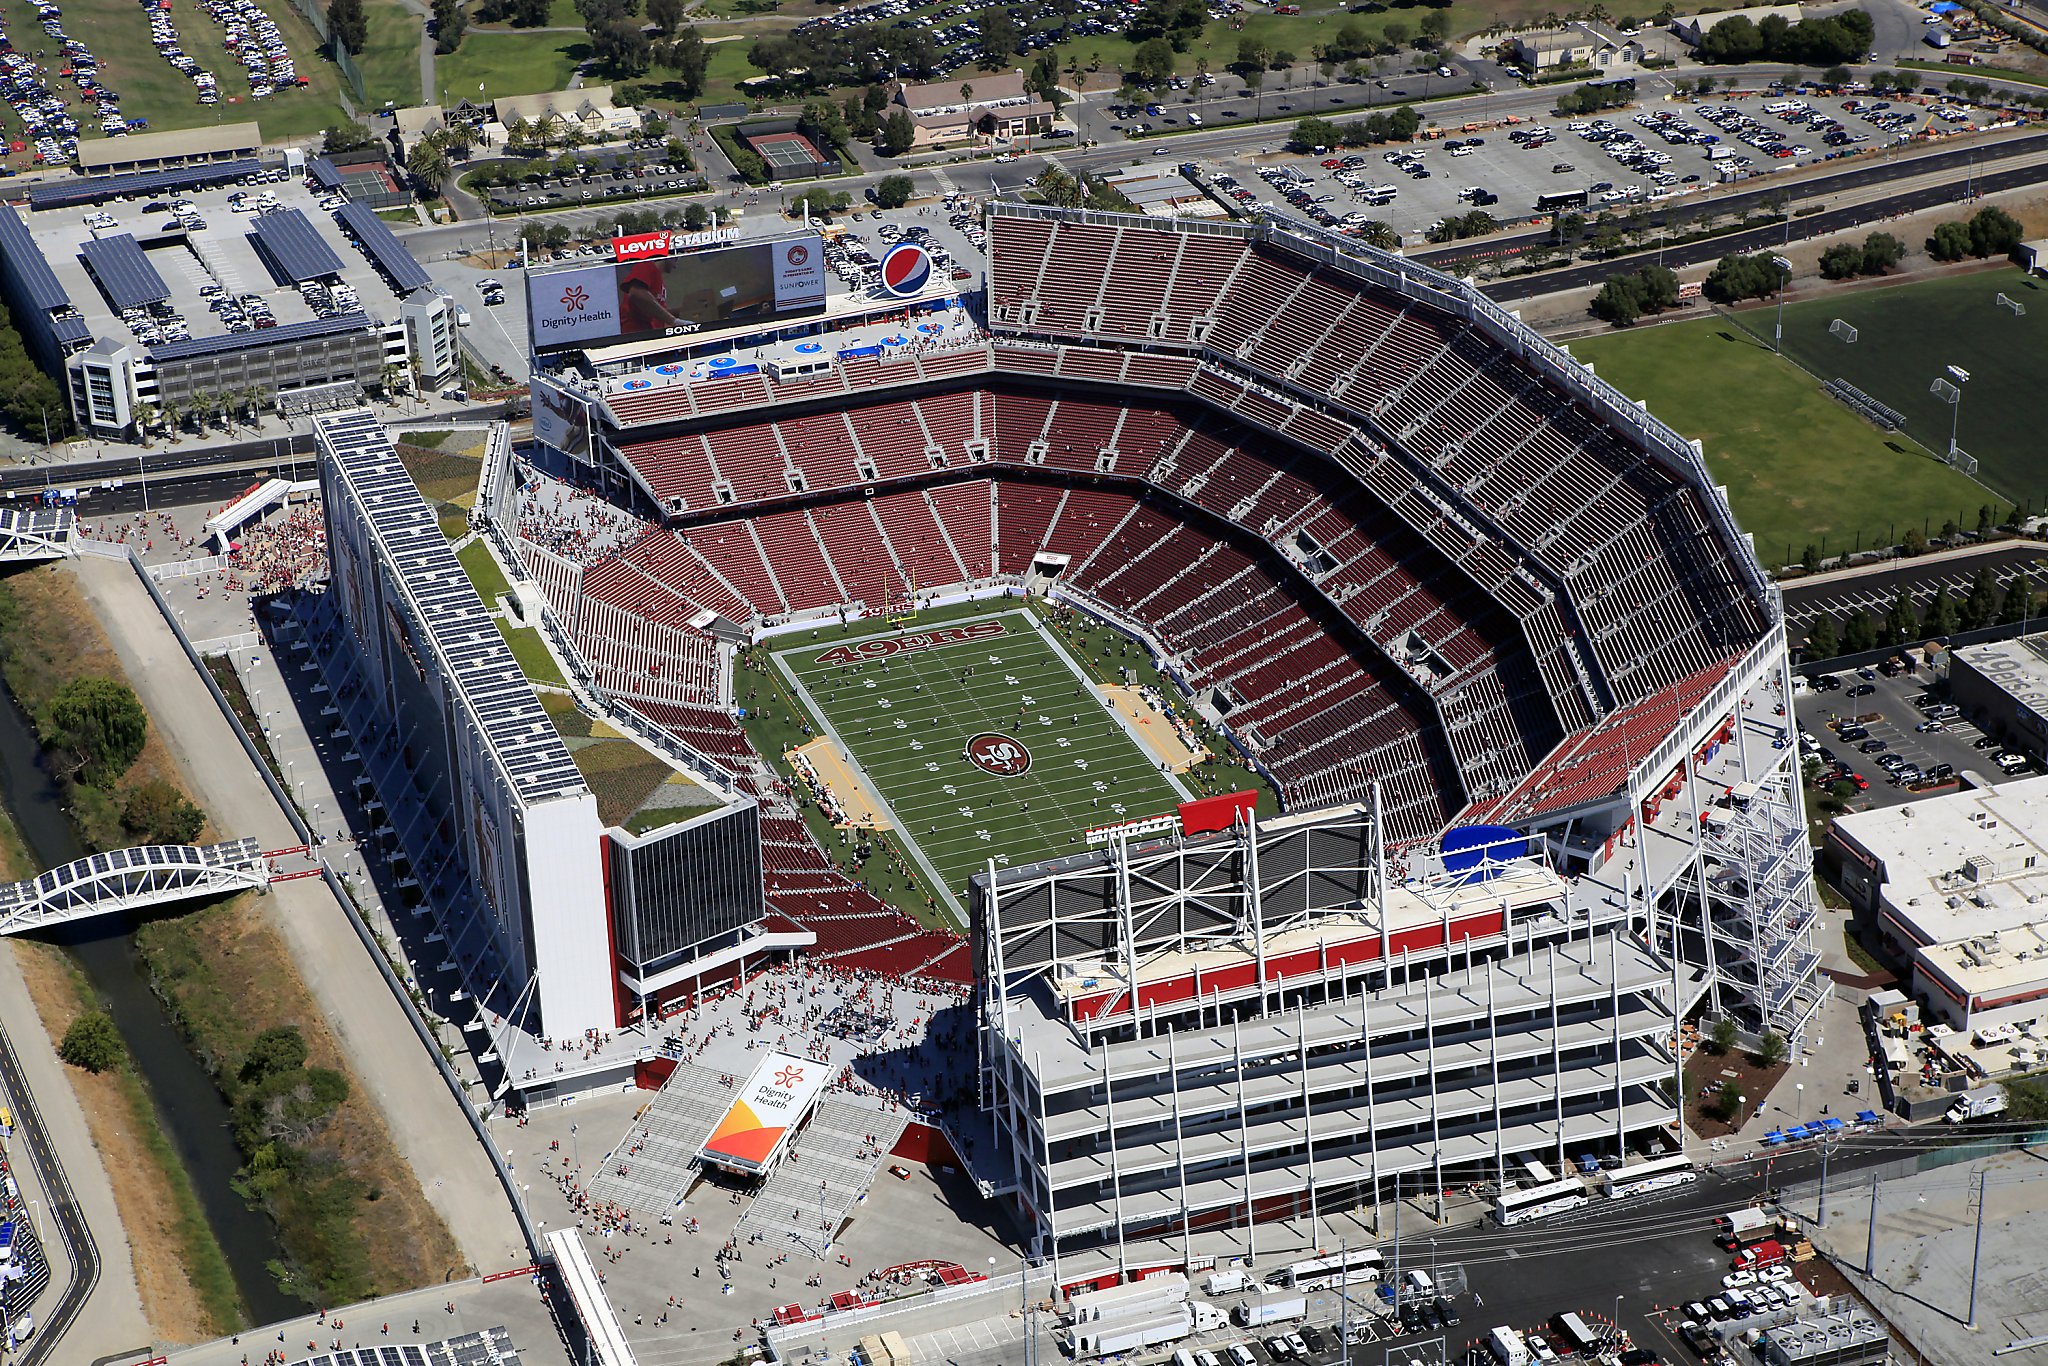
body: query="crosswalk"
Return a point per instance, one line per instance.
(946, 185)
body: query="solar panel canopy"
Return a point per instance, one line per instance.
(383, 247)
(293, 246)
(271, 336)
(93, 189)
(124, 272)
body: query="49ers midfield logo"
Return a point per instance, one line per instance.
(996, 753)
(882, 647)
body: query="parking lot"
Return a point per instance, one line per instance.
(1662, 152)
(594, 179)
(1872, 725)
(1807, 601)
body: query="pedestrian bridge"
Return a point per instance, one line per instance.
(130, 879)
(36, 533)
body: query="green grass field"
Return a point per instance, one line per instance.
(1907, 334)
(511, 64)
(907, 721)
(1799, 467)
(390, 60)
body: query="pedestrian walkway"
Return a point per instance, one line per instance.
(830, 1167)
(946, 185)
(654, 1164)
(1052, 162)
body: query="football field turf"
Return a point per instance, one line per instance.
(1009, 762)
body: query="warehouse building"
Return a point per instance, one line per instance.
(2002, 685)
(1950, 889)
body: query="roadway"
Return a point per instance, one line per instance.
(81, 1253)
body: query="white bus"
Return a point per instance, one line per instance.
(1345, 1268)
(1539, 1202)
(1658, 1174)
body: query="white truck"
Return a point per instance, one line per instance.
(1141, 1327)
(1154, 1292)
(1507, 1347)
(1270, 1306)
(1227, 1282)
(1977, 1103)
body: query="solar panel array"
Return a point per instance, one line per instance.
(28, 264)
(294, 248)
(491, 1347)
(472, 653)
(123, 271)
(381, 245)
(93, 189)
(71, 330)
(270, 336)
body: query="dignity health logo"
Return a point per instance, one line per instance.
(584, 313)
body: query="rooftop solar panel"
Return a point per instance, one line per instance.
(293, 247)
(472, 654)
(71, 330)
(92, 189)
(124, 272)
(323, 173)
(26, 262)
(243, 341)
(383, 247)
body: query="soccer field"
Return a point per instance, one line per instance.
(1907, 336)
(1009, 761)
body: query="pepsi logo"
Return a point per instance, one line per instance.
(993, 752)
(906, 269)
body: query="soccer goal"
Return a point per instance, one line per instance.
(1846, 331)
(2019, 310)
(1962, 459)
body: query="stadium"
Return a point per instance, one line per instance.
(1482, 624)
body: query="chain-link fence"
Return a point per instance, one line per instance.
(344, 60)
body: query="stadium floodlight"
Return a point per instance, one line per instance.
(1785, 268)
(1952, 395)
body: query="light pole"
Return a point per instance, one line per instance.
(1785, 268)
(1950, 391)
(1799, 1099)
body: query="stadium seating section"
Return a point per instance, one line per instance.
(1386, 549)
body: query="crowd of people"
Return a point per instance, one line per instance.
(278, 554)
(573, 522)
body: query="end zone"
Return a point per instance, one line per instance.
(858, 808)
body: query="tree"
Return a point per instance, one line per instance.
(686, 56)
(893, 191)
(1941, 615)
(1152, 62)
(1771, 1049)
(999, 38)
(1720, 1038)
(669, 16)
(1980, 607)
(1859, 634)
(696, 217)
(1727, 1103)
(899, 134)
(1842, 261)
(346, 137)
(428, 165)
(623, 46)
(1950, 241)
(2019, 600)
(1739, 277)
(1396, 33)
(348, 23)
(103, 726)
(1820, 639)
(1994, 232)
(157, 813)
(1900, 622)
(1375, 233)
(281, 1048)
(1058, 188)
(1436, 27)
(451, 21)
(92, 1042)
(1881, 251)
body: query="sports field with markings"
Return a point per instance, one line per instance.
(981, 739)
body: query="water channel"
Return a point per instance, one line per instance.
(189, 1107)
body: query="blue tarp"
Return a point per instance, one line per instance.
(1773, 1138)
(1869, 1117)
(860, 351)
(1833, 1126)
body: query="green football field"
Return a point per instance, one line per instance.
(1054, 760)
(1906, 338)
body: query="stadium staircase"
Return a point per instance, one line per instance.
(670, 1133)
(832, 1164)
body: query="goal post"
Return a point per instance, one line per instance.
(1846, 331)
(2019, 310)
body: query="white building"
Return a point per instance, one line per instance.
(1956, 887)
